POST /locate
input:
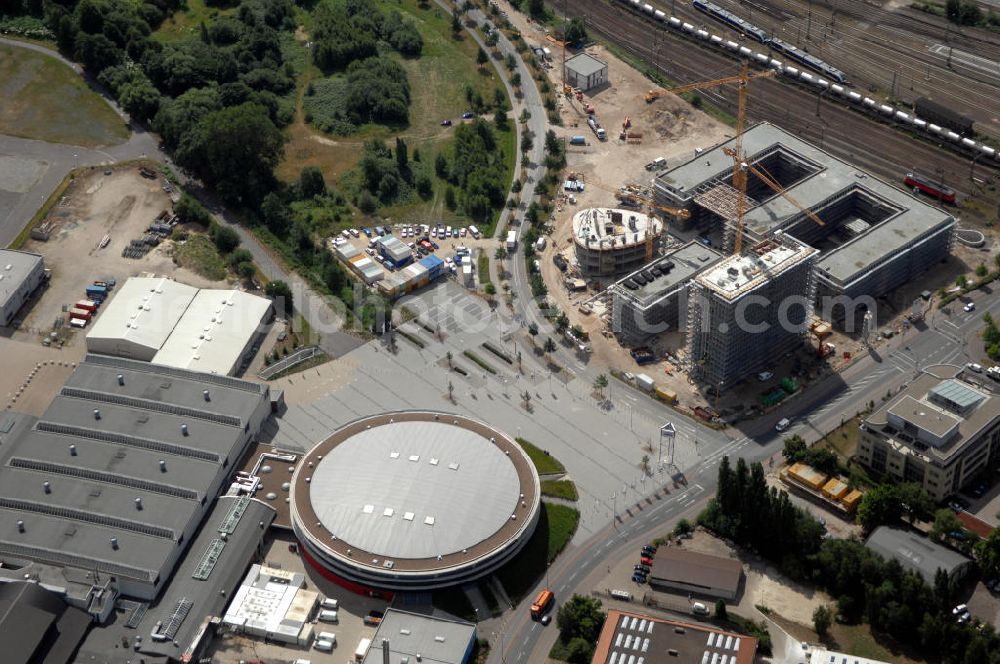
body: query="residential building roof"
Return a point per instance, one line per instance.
(436, 640)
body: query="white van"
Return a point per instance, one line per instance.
(330, 603)
(328, 615)
(782, 424)
(474, 231)
(325, 641)
(699, 609)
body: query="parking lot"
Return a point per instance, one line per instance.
(422, 239)
(117, 205)
(350, 628)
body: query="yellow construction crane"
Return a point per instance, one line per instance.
(773, 183)
(739, 172)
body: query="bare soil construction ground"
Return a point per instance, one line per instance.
(121, 205)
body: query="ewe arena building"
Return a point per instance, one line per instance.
(413, 501)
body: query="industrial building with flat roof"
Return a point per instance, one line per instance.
(875, 236)
(584, 71)
(609, 241)
(21, 273)
(117, 474)
(36, 625)
(416, 637)
(180, 624)
(636, 638)
(166, 322)
(386, 502)
(824, 656)
(767, 293)
(273, 604)
(941, 431)
(653, 299)
(679, 570)
(918, 554)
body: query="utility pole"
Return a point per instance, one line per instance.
(809, 22)
(894, 74)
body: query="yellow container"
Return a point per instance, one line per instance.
(807, 476)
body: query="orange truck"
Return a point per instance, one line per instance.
(542, 603)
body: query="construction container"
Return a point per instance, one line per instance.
(807, 476)
(578, 140)
(789, 385)
(835, 489)
(666, 396)
(644, 382)
(89, 305)
(80, 313)
(851, 500)
(434, 265)
(77, 322)
(94, 291)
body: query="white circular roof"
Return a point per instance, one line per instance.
(414, 489)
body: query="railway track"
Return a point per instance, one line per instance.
(900, 64)
(842, 131)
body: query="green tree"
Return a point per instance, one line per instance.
(402, 156)
(879, 506)
(533, 329)
(580, 617)
(246, 271)
(795, 449)
(574, 31)
(311, 182)
(915, 502)
(236, 150)
(962, 281)
(225, 238)
(500, 254)
(456, 24)
(550, 345)
(601, 383)
(449, 198)
(982, 270)
(190, 211)
(988, 554)
(441, 166)
(945, 521)
(562, 322)
(579, 651)
(238, 256)
(822, 619)
(281, 293)
(536, 8)
(482, 58)
(552, 144)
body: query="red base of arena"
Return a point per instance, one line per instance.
(353, 586)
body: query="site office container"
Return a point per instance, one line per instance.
(80, 313)
(89, 305)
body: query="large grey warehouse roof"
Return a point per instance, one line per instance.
(139, 470)
(205, 580)
(436, 640)
(36, 625)
(832, 178)
(15, 266)
(414, 489)
(688, 260)
(915, 552)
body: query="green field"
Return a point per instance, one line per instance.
(186, 23)
(46, 100)
(437, 83)
(564, 489)
(556, 525)
(199, 255)
(544, 463)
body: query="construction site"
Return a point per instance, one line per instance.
(746, 211)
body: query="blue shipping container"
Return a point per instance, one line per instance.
(434, 266)
(97, 290)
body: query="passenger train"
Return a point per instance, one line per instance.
(832, 80)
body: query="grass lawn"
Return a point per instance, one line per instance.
(556, 525)
(455, 602)
(437, 84)
(564, 489)
(186, 23)
(46, 100)
(844, 439)
(199, 255)
(858, 640)
(545, 464)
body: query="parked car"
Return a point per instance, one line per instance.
(782, 424)
(970, 306)
(649, 550)
(974, 366)
(646, 560)
(642, 569)
(638, 578)
(468, 115)
(765, 376)
(446, 123)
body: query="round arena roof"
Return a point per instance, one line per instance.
(414, 492)
(610, 229)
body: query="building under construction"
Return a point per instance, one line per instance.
(611, 241)
(653, 299)
(873, 237)
(750, 309)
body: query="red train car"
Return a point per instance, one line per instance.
(932, 189)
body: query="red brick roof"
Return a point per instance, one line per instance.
(975, 524)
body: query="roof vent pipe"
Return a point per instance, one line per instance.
(163, 466)
(138, 503)
(72, 450)
(114, 543)
(121, 379)
(47, 486)
(206, 395)
(97, 414)
(184, 429)
(20, 526)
